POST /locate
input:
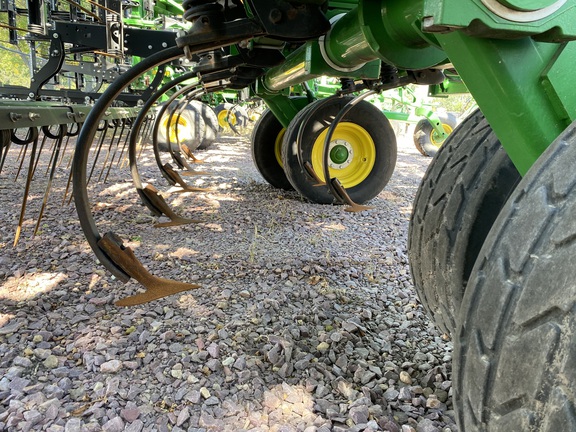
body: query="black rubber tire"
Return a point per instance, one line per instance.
(234, 114)
(423, 131)
(211, 129)
(461, 194)
(266, 148)
(364, 116)
(191, 128)
(515, 357)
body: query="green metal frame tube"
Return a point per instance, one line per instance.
(506, 78)
(381, 30)
(293, 71)
(388, 30)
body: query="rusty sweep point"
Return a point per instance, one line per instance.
(312, 173)
(156, 287)
(179, 181)
(345, 198)
(162, 206)
(186, 150)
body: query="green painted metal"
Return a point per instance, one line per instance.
(450, 86)
(307, 63)
(513, 98)
(23, 114)
(339, 154)
(494, 19)
(528, 5)
(556, 81)
(284, 106)
(384, 29)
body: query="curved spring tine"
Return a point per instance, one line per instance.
(336, 188)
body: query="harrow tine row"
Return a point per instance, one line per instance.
(26, 190)
(52, 163)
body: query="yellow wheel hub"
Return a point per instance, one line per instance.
(352, 154)
(226, 118)
(438, 141)
(177, 126)
(278, 147)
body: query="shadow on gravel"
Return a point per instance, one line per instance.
(306, 318)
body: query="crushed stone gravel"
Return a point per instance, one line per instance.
(306, 318)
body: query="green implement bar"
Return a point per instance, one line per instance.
(15, 115)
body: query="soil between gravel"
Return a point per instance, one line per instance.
(306, 319)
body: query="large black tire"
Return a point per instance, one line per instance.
(211, 129)
(188, 128)
(267, 150)
(424, 137)
(515, 357)
(369, 150)
(459, 198)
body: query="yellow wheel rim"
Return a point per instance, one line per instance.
(352, 154)
(438, 141)
(226, 118)
(278, 147)
(177, 125)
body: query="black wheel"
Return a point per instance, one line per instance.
(231, 116)
(185, 126)
(515, 358)
(211, 129)
(459, 198)
(427, 140)
(267, 150)
(362, 150)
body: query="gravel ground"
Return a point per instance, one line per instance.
(306, 319)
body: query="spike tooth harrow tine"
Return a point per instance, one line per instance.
(68, 183)
(7, 143)
(42, 143)
(109, 152)
(139, 144)
(115, 150)
(69, 164)
(26, 191)
(31, 136)
(156, 287)
(54, 161)
(22, 154)
(101, 138)
(121, 158)
(53, 148)
(63, 153)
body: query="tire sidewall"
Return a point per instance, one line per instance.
(363, 114)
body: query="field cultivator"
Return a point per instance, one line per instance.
(491, 252)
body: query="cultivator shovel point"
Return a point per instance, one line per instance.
(344, 198)
(162, 206)
(175, 177)
(310, 170)
(186, 150)
(156, 287)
